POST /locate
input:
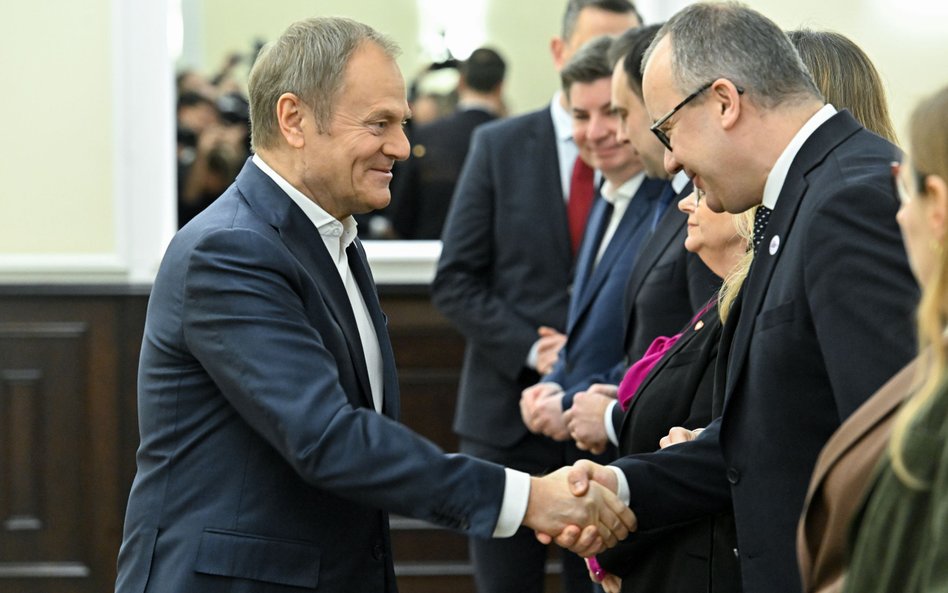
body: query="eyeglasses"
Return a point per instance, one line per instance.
(656, 128)
(698, 195)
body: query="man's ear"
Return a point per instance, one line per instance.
(936, 196)
(727, 100)
(291, 111)
(557, 45)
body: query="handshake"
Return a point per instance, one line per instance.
(577, 508)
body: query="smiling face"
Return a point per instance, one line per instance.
(704, 135)
(712, 235)
(594, 130)
(634, 123)
(347, 169)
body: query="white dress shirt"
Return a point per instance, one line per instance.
(566, 149)
(620, 198)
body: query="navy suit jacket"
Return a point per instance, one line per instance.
(505, 269)
(262, 465)
(595, 331)
(824, 318)
(667, 285)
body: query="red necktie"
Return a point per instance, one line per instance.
(580, 201)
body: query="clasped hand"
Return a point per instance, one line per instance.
(577, 508)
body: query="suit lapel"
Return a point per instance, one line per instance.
(626, 242)
(363, 276)
(543, 158)
(305, 243)
(586, 261)
(794, 189)
(668, 228)
(708, 321)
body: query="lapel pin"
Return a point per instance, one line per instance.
(774, 244)
(699, 325)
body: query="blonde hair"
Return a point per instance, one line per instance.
(928, 135)
(735, 279)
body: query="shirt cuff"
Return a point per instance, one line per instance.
(623, 494)
(514, 506)
(532, 355)
(607, 422)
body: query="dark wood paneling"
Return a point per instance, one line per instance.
(69, 432)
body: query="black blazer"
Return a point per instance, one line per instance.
(824, 319)
(696, 556)
(262, 464)
(423, 185)
(505, 269)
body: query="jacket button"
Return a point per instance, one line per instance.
(733, 476)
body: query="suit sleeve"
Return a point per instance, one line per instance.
(246, 324)
(680, 483)
(858, 283)
(463, 286)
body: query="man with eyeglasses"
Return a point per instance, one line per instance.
(824, 316)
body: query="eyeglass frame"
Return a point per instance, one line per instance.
(656, 127)
(901, 190)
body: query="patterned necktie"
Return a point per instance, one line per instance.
(760, 224)
(581, 193)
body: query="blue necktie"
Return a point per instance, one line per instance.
(666, 197)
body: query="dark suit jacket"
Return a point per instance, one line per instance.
(843, 473)
(821, 324)
(594, 328)
(505, 269)
(696, 556)
(262, 465)
(666, 286)
(423, 185)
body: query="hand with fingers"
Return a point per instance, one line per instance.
(677, 434)
(591, 520)
(585, 420)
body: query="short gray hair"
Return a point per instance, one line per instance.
(574, 7)
(729, 40)
(309, 60)
(589, 64)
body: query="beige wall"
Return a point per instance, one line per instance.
(61, 167)
(56, 162)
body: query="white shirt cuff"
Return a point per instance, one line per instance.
(533, 355)
(514, 506)
(607, 422)
(623, 493)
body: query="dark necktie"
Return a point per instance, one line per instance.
(760, 224)
(580, 201)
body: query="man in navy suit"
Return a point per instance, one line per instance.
(503, 279)
(825, 314)
(619, 224)
(268, 400)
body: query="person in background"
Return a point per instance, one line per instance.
(268, 399)
(503, 279)
(423, 185)
(899, 531)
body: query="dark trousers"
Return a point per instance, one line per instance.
(518, 564)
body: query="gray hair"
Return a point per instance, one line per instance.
(729, 40)
(309, 60)
(574, 7)
(588, 64)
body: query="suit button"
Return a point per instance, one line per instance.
(378, 551)
(733, 476)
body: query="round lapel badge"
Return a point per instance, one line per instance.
(774, 244)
